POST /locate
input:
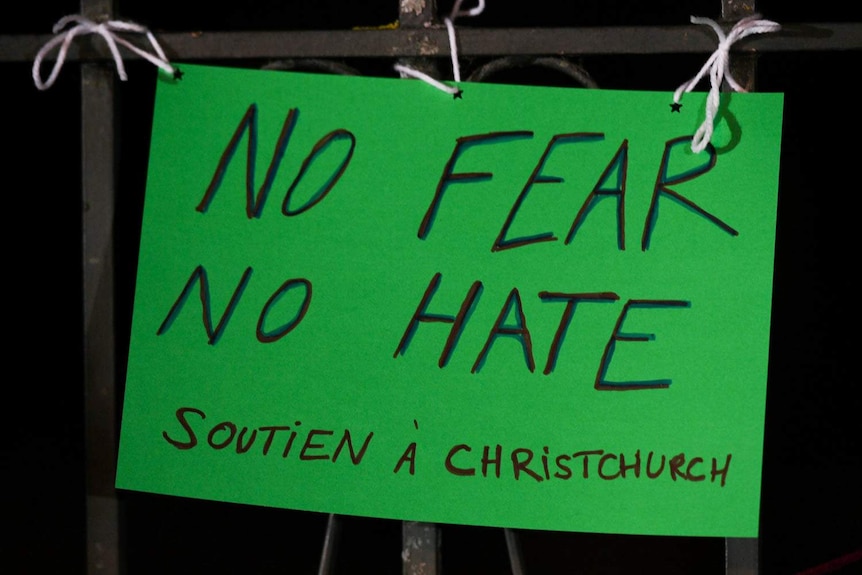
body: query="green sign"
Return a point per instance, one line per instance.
(525, 307)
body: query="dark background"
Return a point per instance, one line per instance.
(810, 511)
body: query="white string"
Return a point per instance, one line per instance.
(456, 12)
(413, 73)
(718, 67)
(450, 27)
(453, 49)
(106, 30)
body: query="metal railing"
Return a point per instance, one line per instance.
(419, 40)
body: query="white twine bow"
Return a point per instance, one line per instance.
(107, 30)
(456, 12)
(718, 67)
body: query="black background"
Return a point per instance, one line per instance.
(810, 509)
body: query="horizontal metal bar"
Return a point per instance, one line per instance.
(434, 42)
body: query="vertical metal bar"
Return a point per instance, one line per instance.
(420, 14)
(417, 13)
(420, 549)
(740, 554)
(742, 66)
(514, 548)
(98, 179)
(420, 553)
(330, 545)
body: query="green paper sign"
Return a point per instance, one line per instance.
(527, 307)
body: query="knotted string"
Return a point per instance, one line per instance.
(718, 68)
(453, 51)
(107, 30)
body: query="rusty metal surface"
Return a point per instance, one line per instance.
(420, 550)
